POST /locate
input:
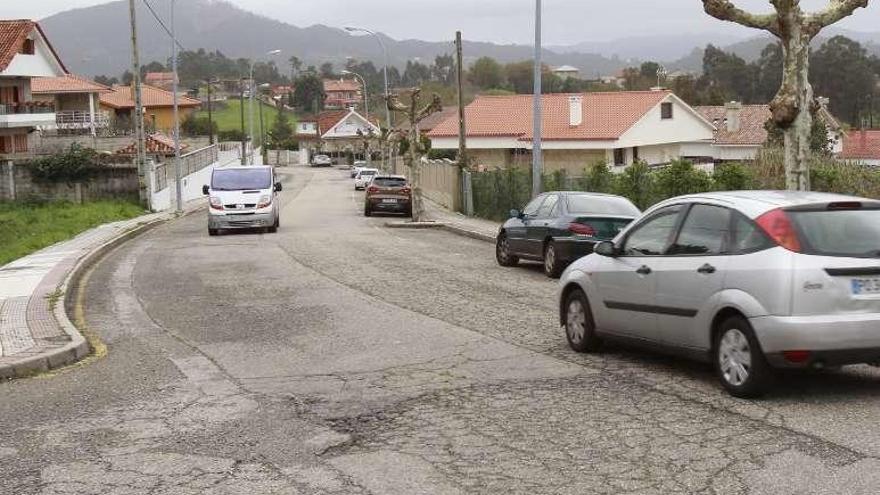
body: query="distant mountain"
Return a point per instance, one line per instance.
(659, 47)
(95, 40)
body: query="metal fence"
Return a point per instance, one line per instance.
(191, 163)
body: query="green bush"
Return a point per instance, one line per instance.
(638, 184)
(231, 135)
(442, 154)
(77, 164)
(598, 178)
(198, 126)
(680, 178)
(732, 177)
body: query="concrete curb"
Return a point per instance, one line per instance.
(473, 234)
(415, 225)
(78, 347)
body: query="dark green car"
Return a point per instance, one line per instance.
(557, 228)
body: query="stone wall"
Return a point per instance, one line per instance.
(118, 181)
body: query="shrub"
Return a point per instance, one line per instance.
(598, 178)
(434, 154)
(556, 181)
(680, 178)
(198, 126)
(76, 164)
(638, 184)
(732, 177)
(231, 135)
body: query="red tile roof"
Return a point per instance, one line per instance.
(430, 123)
(606, 116)
(751, 124)
(13, 32)
(333, 85)
(156, 143)
(121, 97)
(66, 84)
(159, 76)
(861, 145)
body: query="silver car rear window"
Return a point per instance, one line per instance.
(847, 233)
(583, 204)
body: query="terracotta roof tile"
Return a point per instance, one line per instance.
(606, 116)
(121, 97)
(66, 84)
(156, 144)
(159, 76)
(12, 36)
(751, 124)
(431, 123)
(332, 85)
(861, 145)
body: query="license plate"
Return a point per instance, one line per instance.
(389, 200)
(865, 286)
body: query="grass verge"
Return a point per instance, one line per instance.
(227, 115)
(25, 228)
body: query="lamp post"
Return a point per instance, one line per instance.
(363, 85)
(352, 29)
(537, 158)
(178, 173)
(252, 87)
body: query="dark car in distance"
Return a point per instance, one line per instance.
(388, 194)
(557, 228)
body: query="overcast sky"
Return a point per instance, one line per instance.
(502, 21)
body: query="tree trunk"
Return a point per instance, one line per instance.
(791, 108)
(415, 167)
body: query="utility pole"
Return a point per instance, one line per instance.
(243, 135)
(462, 127)
(264, 153)
(141, 158)
(178, 176)
(537, 159)
(210, 117)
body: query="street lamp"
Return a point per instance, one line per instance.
(352, 29)
(253, 89)
(363, 85)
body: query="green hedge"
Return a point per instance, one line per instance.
(497, 192)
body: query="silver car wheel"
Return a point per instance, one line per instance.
(735, 357)
(504, 249)
(576, 321)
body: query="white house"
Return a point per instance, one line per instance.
(335, 130)
(567, 72)
(578, 130)
(25, 53)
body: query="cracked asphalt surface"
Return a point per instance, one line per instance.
(341, 357)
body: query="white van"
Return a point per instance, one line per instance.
(243, 198)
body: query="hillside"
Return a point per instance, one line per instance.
(95, 40)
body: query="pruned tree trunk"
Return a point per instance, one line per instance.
(793, 104)
(415, 113)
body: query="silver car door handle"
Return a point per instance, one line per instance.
(644, 270)
(707, 269)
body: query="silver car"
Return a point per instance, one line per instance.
(752, 281)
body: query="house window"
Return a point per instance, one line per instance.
(666, 111)
(21, 143)
(635, 153)
(28, 47)
(619, 157)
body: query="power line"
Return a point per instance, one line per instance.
(161, 23)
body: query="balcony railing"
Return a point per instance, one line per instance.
(26, 108)
(79, 119)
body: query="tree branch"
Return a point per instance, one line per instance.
(725, 10)
(836, 10)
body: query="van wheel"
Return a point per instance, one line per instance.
(739, 361)
(274, 228)
(580, 330)
(367, 212)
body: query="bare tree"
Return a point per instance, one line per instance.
(793, 104)
(415, 112)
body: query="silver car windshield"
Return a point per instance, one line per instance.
(241, 179)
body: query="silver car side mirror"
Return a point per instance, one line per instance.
(606, 248)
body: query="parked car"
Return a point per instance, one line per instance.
(357, 167)
(752, 281)
(363, 178)
(557, 228)
(388, 193)
(243, 198)
(322, 161)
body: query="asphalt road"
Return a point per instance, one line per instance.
(339, 356)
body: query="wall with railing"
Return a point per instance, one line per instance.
(196, 170)
(440, 181)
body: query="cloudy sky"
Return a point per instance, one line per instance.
(504, 21)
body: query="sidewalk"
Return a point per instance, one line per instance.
(35, 333)
(477, 228)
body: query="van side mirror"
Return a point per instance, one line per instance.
(606, 248)
(278, 187)
(206, 190)
(515, 214)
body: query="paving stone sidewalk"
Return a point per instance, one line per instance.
(478, 228)
(29, 292)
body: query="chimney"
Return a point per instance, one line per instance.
(575, 110)
(731, 113)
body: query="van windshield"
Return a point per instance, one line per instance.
(241, 179)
